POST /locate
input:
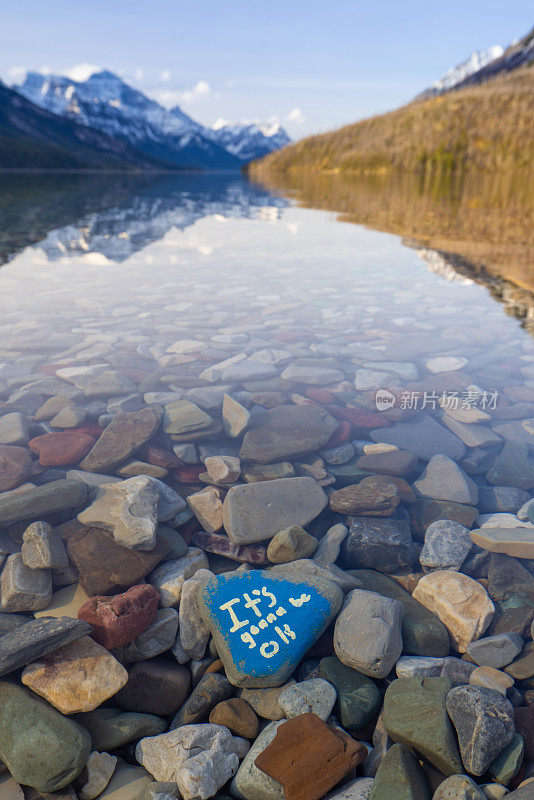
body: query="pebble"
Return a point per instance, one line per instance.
(223, 469)
(291, 544)
(210, 690)
(367, 634)
(460, 602)
(236, 417)
(491, 678)
(424, 438)
(399, 770)
(358, 789)
(251, 782)
(484, 722)
(447, 545)
(382, 544)
(76, 677)
(194, 633)
(288, 431)
(444, 480)
(95, 775)
(314, 696)
(170, 577)
(505, 767)
(495, 651)
(22, 588)
(264, 702)
(128, 510)
(157, 638)
(368, 498)
(39, 501)
(35, 638)
(256, 511)
(14, 428)
(125, 434)
(330, 545)
(358, 697)
(459, 787)
(154, 687)
(111, 728)
(15, 466)
(517, 542)
(236, 715)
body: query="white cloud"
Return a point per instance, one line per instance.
(138, 74)
(81, 72)
(17, 74)
(296, 116)
(165, 75)
(200, 90)
(173, 97)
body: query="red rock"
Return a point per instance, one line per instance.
(60, 449)
(308, 758)
(159, 457)
(360, 417)
(120, 619)
(91, 428)
(341, 435)
(188, 473)
(320, 395)
(223, 546)
(15, 466)
(524, 724)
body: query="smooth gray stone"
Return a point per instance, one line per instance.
(424, 438)
(457, 670)
(34, 639)
(250, 783)
(43, 548)
(447, 545)
(156, 639)
(496, 499)
(14, 428)
(496, 651)
(442, 479)
(22, 588)
(10, 622)
(42, 500)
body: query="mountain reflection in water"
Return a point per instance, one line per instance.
(478, 226)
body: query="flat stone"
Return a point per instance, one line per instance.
(310, 569)
(111, 728)
(424, 511)
(264, 702)
(492, 499)
(40, 747)
(491, 678)
(377, 543)
(194, 633)
(183, 416)
(10, 789)
(313, 696)
(14, 428)
(368, 498)
(484, 722)
(512, 467)
(428, 731)
(223, 469)
(472, 435)
(460, 602)
(223, 546)
(133, 468)
(68, 417)
(36, 638)
(256, 511)
(128, 510)
(329, 546)
(288, 431)
(60, 449)
(291, 544)
(169, 577)
(523, 667)
(95, 775)
(127, 783)
(423, 438)
(252, 473)
(207, 507)
(293, 612)
(118, 620)
(495, 651)
(308, 758)
(154, 687)
(517, 542)
(106, 567)
(43, 548)
(447, 545)
(419, 667)
(126, 433)
(367, 634)
(76, 677)
(423, 633)
(22, 588)
(459, 787)
(39, 501)
(236, 417)
(15, 466)
(66, 602)
(501, 521)
(359, 789)
(211, 689)
(154, 640)
(505, 767)
(399, 777)
(511, 587)
(358, 697)
(252, 783)
(389, 462)
(236, 715)
(444, 480)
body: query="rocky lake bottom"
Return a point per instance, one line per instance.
(266, 510)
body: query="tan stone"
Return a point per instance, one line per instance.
(207, 507)
(65, 602)
(460, 602)
(235, 416)
(95, 775)
(76, 678)
(491, 678)
(516, 542)
(127, 783)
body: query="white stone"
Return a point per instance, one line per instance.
(329, 546)
(314, 696)
(169, 577)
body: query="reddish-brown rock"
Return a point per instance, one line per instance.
(360, 417)
(369, 497)
(62, 448)
(341, 435)
(406, 492)
(15, 466)
(106, 567)
(188, 473)
(320, 395)
(524, 724)
(158, 457)
(120, 619)
(223, 546)
(309, 758)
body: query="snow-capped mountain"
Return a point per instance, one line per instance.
(458, 74)
(105, 102)
(248, 140)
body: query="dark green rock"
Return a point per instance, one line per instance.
(399, 777)
(511, 587)
(42, 500)
(423, 634)
(358, 697)
(37, 637)
(506, 766)
(40, 747)
(415, 715)
(111, 728)
(425, 511)
(512, 467)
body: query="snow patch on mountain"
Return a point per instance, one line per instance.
(249, 139)
(459, 73)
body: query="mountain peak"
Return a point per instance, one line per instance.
(476, 61)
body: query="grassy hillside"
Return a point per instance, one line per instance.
(485, 127)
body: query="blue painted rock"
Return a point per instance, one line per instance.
(263, 624)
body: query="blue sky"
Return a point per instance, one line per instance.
(311, 64)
